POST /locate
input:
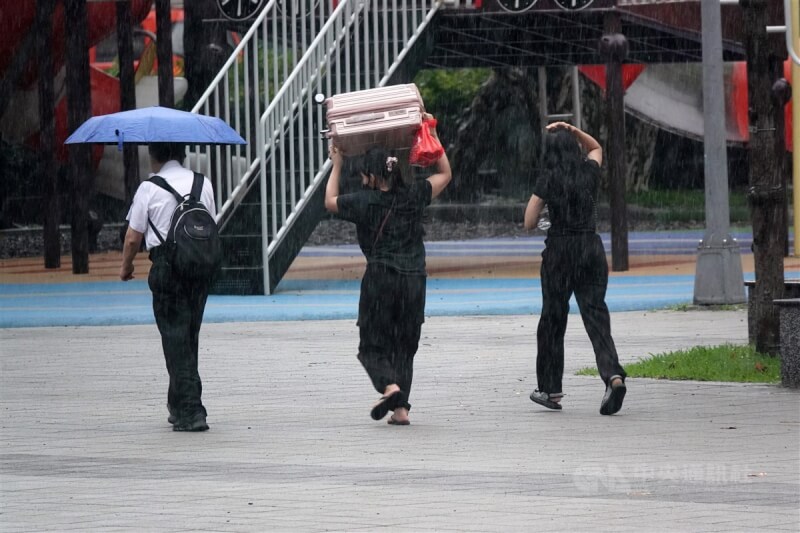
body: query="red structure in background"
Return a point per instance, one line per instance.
(597, 73)
(738, 92)
(739, 97)
(102, 22)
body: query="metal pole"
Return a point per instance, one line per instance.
(795, 14)
(576, 98)
(543, 118)
(614, 49)
(718, 278)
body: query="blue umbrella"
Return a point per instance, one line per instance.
(155, 124)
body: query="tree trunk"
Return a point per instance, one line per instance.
(166, 83)
(765, 194)
(47, 137)
(476, 131)
(205, 46)
(640, 145)
(640, 137)
(78, 112)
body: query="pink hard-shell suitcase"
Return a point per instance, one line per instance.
(386, 116)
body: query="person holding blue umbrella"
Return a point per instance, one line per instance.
(179, 295)
(178, 301)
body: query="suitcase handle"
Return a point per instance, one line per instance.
(366, 117)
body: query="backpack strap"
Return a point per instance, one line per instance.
(161, 182)
(197, 186)
(153, 227)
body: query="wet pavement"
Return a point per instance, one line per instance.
(85, 444)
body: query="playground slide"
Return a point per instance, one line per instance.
(670, 96)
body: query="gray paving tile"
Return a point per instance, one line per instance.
(84, 443)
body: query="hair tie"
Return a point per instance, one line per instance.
(390, 163)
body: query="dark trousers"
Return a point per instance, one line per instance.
(574, 264)
(390, 315)
(178, 306)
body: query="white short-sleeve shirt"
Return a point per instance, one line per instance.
(153, 202)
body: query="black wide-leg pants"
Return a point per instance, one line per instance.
(574, 264)
(391, 311)
(178, 306)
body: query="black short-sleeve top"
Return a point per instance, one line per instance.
(571, 200)
(399, 245)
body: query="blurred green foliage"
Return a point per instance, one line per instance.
(447, 93)
(687, 205)
(450, 89)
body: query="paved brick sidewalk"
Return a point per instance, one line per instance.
(85, 445)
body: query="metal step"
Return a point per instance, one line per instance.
(239, 281)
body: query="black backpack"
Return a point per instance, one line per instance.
(192, 243)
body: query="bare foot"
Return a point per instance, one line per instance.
(385, 404)
(391, 389)
(400, 417)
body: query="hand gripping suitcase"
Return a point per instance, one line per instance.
(386, 116)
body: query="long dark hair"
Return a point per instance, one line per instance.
(377, 163)
(562, 154)
(563, 161)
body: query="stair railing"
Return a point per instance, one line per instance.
(266, 88)
(257, 67)
(360, 46)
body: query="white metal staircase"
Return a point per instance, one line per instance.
(294, 50)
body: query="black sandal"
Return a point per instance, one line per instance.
(546, 399)
(385, 404)
(612, 399)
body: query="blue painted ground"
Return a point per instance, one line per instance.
(117, 303)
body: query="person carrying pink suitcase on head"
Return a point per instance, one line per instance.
(388, 217)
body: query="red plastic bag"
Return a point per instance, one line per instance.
(427, 149)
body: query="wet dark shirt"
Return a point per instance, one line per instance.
(571, 202)
(399, 245)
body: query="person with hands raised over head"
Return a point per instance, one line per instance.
(573, 261)
(388, 213)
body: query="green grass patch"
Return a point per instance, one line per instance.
(728, 362)
(687, 198)
(686, 205)
(683, 308)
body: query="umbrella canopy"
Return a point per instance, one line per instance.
(155, 124)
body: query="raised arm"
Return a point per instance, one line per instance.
(443, 174)
(332, 188)
(589, 144)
